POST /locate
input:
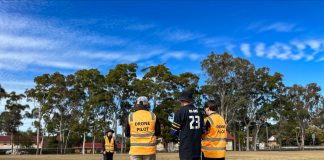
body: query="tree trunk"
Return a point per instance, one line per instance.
(38, 130)
(222, 99)
(302, 138)
(256, 137)
(154, 101)
(84, 139)
(297, 139)
(239, 143)
(248, 137)
(93, 144)
(267, 132)
(234, 135)
(42, 143)
(12, 145)
(122, 141)
(66, 141)
(61, 136)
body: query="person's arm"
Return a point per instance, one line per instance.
(207, 126)
(157, 128)
(127, 128)
(176, 125)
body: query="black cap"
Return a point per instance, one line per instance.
(186, 96)
(110, 130)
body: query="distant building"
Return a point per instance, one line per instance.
(229, 142)
(5, 142)
(88, 146)
(272, 143)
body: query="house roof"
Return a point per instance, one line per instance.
(4, 138)
(272, 139)
(229, 136)
(89, 145)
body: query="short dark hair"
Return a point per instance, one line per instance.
(213, 105)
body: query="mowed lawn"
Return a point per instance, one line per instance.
(292, 155)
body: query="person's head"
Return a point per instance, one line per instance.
(109, 132)
(142, 101)
(186, 98)
(211, 107)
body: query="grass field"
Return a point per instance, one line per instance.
(292, 155)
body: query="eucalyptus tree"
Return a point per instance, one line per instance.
(39, 96)
(120, 81)
(12, 117)
(306, 104)
(87, 84)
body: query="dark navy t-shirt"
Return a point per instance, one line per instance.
(189, 122)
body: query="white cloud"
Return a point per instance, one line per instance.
(124, 56)
(179, 35)
(245, 48)
(259, 49)
(276, 26)
(308, 50)
(279, 27)
(320, 59)
(13, 41)
(179, 55)
(314, 44)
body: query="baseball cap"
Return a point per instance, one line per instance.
(142, 100)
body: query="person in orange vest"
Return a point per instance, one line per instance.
(142, 126)
(108, 145)
(213, 144)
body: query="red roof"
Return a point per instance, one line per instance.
(229, 136)
(4, 138)
(89, 145)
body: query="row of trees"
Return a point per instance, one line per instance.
(80, 105)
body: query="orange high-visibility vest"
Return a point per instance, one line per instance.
(213, 143)
(142, 130)
(109, 146)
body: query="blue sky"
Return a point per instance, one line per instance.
(39, 37)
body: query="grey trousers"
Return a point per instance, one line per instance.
(143, 157)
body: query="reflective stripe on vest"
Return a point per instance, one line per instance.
(143, 144)
(213, 143)
(214, 139)
(109, 146)
(210, 121)
(142, 131)
(213, 148)
(142, 135)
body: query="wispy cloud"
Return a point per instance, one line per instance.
(181, 55)
(311, 49)
(217, 42)
(124, 56)
(28, 42)
(177, 35)
(245, 48)
(140, 27)
(276, 27)
(14, 41)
